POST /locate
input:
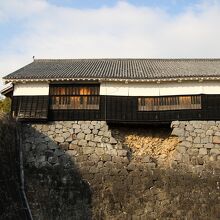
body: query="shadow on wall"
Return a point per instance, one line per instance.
(12, 205)
(55, 188)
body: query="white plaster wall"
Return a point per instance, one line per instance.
(161, 89)
(29, 89)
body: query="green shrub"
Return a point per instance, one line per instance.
(5, 105)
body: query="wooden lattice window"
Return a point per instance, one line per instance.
(35, 107)
(74, 97)
(169, 103)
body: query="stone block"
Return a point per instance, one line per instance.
(215, 151)
(216, 140)
(151, 165)
(64, 146)
(87, 131)
(95, 131)
(179, 132)
(211, 123)
(106, 157)
(205, 140)
(95, 158)
(45, 128)
(122, 153)
(58, 126)
(89, 137)
(109, 164)
(72, 152)
(189, 128)
(66, 135)
(58, 152)
(41, 158)
(75, 142)
(97, 126)
(105, 139)
(70, 138)
(77, 130)
(92, 144)
(53, 159)
(118, 146)
(50, 132)
(123, 172)
(196, 124)
(181, 149)
(107, 134)
(52, 146)
(52, 127)
(174, 124)
(208, 146)
(88, 150)
(217, 133)
(82, 142)
(116, 159)
(58, 131)
(209, 132)
(189, 138)
(177, 156)
(98, 139)
(84, 126)
(59, 139)
(93, 169)
(107, 146)
(113, 152)
(186, 144)
(199, 131)
(131, 167)
(99, 151)
(193, 151)
(101, 133)
(112, 141)
(214, 128)
(68, 124)
(197, 140)
(73, 146)
(203, 151)
(80, 136)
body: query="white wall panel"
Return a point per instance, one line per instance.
(29, 89)
(116, 89)
(161, 89)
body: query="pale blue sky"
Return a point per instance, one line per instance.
(104, 28)
(173, 6)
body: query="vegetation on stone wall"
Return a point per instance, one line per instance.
(5, 105)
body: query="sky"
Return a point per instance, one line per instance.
(107, 29)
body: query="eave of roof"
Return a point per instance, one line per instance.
(200, 79)
(7, 88)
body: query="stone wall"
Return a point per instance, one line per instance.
(83, 170)
(199, 147)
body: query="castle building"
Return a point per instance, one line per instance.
(116, 90)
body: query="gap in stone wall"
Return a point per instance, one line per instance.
(152, 141)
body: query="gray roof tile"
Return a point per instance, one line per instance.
(117, 69)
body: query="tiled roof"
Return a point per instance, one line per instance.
(117, 69)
